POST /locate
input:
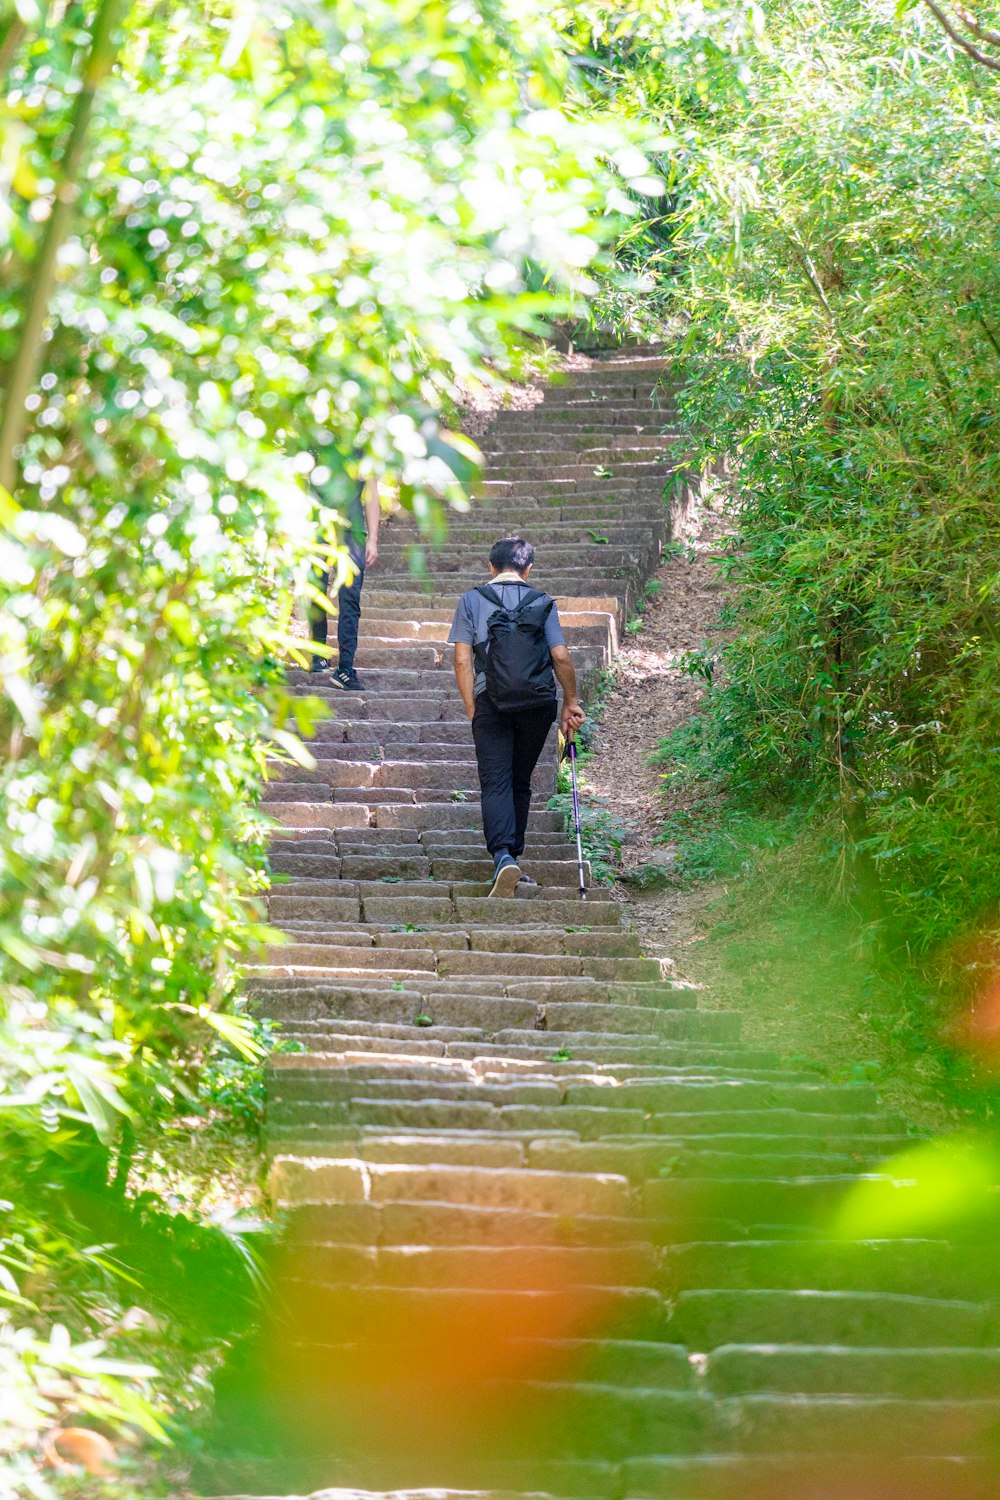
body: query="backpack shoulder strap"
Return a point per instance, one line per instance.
(535, 596)
(489, 593)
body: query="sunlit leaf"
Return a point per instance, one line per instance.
(939, 1185)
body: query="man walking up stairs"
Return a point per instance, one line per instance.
(548, 1227)
(509, 694)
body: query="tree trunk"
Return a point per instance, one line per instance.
(9, 43)
(24, 367)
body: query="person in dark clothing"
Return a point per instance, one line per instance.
(508, 744)
(363, 517)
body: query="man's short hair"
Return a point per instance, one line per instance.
(512, 554)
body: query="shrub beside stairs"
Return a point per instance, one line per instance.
(549, 1227)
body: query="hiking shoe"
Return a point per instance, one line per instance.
(506, 875)
(318, 664)
(346, 678)
(528, 880)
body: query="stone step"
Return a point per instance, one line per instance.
(356, 780)
(761, 1200)
(406, 669)
(430, 841)
(430, 775)
(505, 443)
(440, 1313)
(316, 1227)
(397, 1060)
(555, 561)
(240, 1478)
(916, 1267)
(433, 956)
(620, 582)
(394, 872)
(383, 632)
(615, 384)
(580, 990)
(874, 1425)
(836, 1475)
(617, 391)
(574, 1085)
(913, 1374)
(709, 1204)
(597, 569)
(458, 816)
(328, 1075)
(396, 931)
(832, 1476)
(576, 1361)
(562, 537)
(570, 916)
(565, 518)
(353, 883)
(629, 500)
(619, 1051)
(457, 752)
(378, 599)
(518, 457)
(445, 937)
(708, 1319)
(603, 1001)
(646, 1157)
(587, 417)
(424, 623)
(305, 1127)
(576, 483)
(558, 1151)
(400, 1008)
(297, 1181)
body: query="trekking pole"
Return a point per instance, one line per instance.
(576, 820)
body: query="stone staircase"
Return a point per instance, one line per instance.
(549, 1228)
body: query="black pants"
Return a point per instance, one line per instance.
(349, 606)
(507, 751)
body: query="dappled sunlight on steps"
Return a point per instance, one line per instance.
(548, 1226)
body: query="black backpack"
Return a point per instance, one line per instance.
(515, 655)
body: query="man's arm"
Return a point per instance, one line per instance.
(572, 714)
(373, 516)
(465, 676)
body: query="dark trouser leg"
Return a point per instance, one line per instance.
(531, 730)
(318, 616)
(493, 735)
(349, 604)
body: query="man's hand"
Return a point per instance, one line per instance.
(373, 519)
(573, 717)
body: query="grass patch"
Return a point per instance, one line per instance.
(789, 944)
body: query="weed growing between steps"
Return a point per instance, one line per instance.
(650, 589)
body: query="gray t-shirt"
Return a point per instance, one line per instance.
(473, 613)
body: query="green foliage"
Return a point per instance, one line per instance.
(253, 259)
(937, 1187)
(713, 837)
(830, 247)
(232, 1093)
